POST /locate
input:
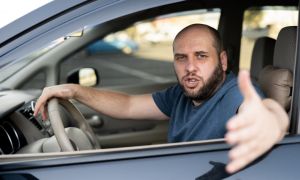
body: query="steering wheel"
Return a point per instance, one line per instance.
(58, 127)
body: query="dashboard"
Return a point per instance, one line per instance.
(18, 126)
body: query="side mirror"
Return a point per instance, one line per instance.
(83, 76)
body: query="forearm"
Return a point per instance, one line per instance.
(282, 118)
(113, 104)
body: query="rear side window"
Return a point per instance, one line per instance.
(264, 21)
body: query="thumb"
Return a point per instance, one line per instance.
(246, 87)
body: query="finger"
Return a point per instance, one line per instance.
(246, 87)
(239, 121)
(41, 102)
(243, 149)
(247, 151)
(45, 114)
(242, 155)
(37, 108)
(241, 135)
(239, 163)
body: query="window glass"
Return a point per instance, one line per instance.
(9, 68)
(264, 21)
(141, 53)
(38, 81)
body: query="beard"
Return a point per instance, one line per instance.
(208, 88)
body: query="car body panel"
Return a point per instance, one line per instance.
(193, 160)
(35, 17)
(64, 23)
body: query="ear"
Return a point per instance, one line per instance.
(223, 59)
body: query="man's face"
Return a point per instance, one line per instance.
(198, 66)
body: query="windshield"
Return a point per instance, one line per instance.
(14, 9)
(10, 68)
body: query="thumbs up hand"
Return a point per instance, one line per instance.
(257, 126)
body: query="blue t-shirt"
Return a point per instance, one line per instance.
(206, 121)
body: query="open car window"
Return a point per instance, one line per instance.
(131, 56)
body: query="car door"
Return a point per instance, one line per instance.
(111, 132)
(194, 160)
(204, 160)
(124, 72)
(137, 64)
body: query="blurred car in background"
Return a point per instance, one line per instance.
(112, 46)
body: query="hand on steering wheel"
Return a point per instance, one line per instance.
(58, 127)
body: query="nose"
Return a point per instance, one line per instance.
(190, 65)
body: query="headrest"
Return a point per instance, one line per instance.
(277, 84)
(285, 48)
(262, 55)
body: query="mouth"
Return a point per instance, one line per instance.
(191, 82)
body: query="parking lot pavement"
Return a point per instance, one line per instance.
(121, 69)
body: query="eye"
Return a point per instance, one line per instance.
(179, 58)
(201, 56)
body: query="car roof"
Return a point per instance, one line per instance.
(36, 17)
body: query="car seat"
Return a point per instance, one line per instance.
(276, 81)
(262, 55)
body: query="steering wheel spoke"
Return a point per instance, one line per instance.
(59, 129)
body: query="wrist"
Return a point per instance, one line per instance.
(76, 91)
(80, 93)
(280, 116)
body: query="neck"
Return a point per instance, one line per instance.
(197, 103)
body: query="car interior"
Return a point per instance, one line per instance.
(262, 55)
(134, 68)
(276, 80)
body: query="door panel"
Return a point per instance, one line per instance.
(201, 160)
(118, 133)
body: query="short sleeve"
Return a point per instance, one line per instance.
(233, 98)
(165, 99)
(232, 101)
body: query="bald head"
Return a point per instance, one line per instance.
(217, 43)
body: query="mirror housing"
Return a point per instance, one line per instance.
(78, 33)
(83, 76)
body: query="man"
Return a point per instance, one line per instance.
(199, 107)
(206, 96)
